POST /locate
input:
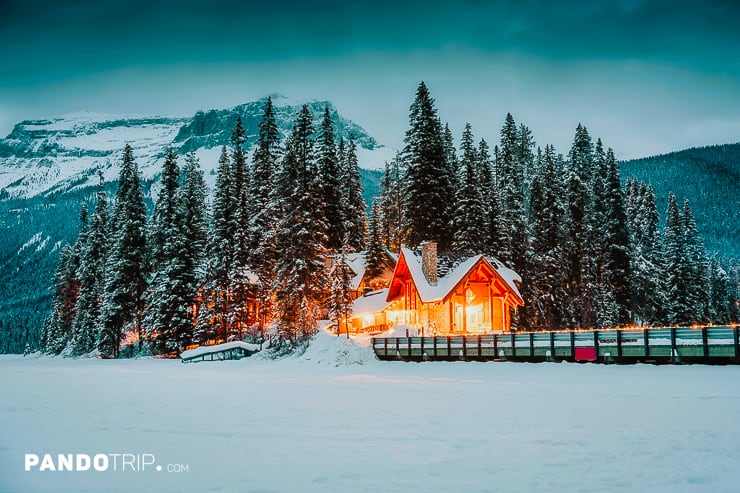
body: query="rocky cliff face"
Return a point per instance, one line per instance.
(65, 153)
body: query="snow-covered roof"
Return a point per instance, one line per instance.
(452, 269)
(199, 351)
(370, 303)
(358, 264)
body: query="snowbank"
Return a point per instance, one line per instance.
(325, 348)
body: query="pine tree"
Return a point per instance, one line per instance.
(428, 184)
(696, 258)
(451, 159)
(582, 281)
(340, 300)
(193, 215)
(353, 204)
(546, 296)
(300, 274)
(617, 273)
(375, 262)
(526, 158)
(92, 274)
(240, 286)
(470, 233)
(678, 275)
(391, 215)
(329, 168)
(265, 210)
(720, 293)
(57, 328)
(513, 241)
(169, 316)
(491, 221)
(579, 272)
(600, 211)
(194, 211)
(581, 154)
(164, 208)
(648, 296)
(126, 269)
(213, 320)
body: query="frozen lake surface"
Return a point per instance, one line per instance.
(335, 419)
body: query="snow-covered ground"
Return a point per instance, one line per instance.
(336, 419)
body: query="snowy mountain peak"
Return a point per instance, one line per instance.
(65, 152)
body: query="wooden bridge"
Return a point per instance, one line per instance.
(220, 352)
(714, 345)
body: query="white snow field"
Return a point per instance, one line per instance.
(336, 419)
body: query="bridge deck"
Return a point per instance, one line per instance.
(664, 345)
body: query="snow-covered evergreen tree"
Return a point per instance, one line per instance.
(57, 329)
(678, 275)
(300, 271)
(526, 159)
(453, 164)
(429, 184)
(617, 271)
(353, 203)
(331, 185)
(578, 257)
(648, 295)
(92, 274)
(241, 289)
(513, 236)
(470, 231)
(696, 257)
(213, 318)
(193, 214)
(340, 299)
(490, 222)
(192, 202)
(240, 245)
(164, 208)
(169, 313)
(265, 211)
(391, 215)
(546, 299)
(721, 299)
(58, 326)
(374, 256)
(126, 267)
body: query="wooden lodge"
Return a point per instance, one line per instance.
(431, 294)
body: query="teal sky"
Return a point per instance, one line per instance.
(647, 76)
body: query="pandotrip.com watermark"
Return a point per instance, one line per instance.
(99, 462)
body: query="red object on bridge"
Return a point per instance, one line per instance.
(585, 354)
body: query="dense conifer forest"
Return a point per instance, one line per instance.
(593, 250)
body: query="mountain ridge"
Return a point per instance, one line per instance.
(709, 177)
(66, 152)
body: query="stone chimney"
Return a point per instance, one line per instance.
(429, 261)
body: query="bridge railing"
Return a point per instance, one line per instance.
(672, 343)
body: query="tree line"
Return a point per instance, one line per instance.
(184, 275)
(590, 252)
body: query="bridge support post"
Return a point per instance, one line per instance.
(552, 346)
(675, 358)
(531, 344)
